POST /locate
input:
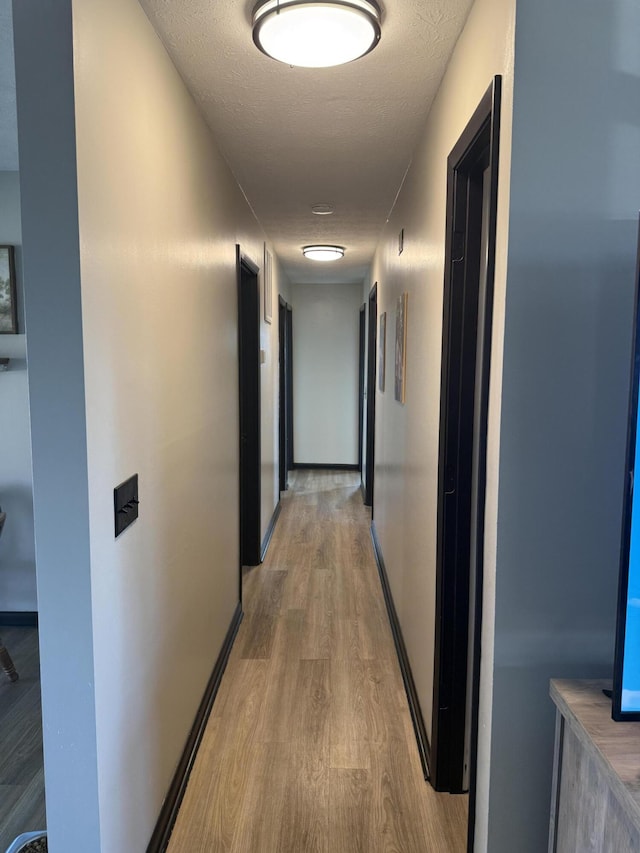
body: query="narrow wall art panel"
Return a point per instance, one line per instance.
(268, 285)
(401, 346)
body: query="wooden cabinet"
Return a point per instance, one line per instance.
(595, 805)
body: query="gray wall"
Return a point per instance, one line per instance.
(17, 547)
(575, 193)
(51, 261)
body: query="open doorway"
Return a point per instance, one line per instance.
(249, 395)
(466, 345)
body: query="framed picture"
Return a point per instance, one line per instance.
(8, 305)
(268, 285)
(401, 346)
(382, 350)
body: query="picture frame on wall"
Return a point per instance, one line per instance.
(401, 346)
(382, 347)
(8, 298)
(268, 285)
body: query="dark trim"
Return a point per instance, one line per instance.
(285, 408)
(495, 93)
(461, 384)
(403, 658)
(362, 346)
(372, 357)
(283, 358)
(19, 618)
(269, 533)
(328, 466)
(249, 432)
(170, 807)
(290, 430)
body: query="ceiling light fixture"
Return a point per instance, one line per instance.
(316, 33)
(322, 209)
(323, 253)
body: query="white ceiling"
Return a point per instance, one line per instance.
(294, 137)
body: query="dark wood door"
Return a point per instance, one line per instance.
(285, 425)
(282, 395)
(371, 397)
(466, 342)
(362, 341)
(249, 392)
(289, 386)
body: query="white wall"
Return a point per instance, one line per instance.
(150, 314)
(17, 546)
(407, 436)
(325, 373)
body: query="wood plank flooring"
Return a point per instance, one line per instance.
(21, 762)
(310, 746)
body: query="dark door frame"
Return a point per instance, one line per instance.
(285, 428)
(371, 396)
(475, 151)
(361, 368)
(282, 397)
(249, 409)
(289, 386)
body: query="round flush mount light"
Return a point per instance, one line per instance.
(323, 253)
(322, 209)
(316, 33)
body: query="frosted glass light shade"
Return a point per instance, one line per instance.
(323, 253)
(316, 33)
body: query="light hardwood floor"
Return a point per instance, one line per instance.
(310, 745)
(21, 761)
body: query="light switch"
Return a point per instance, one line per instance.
(125, 503)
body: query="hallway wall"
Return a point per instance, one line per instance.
(407, 436)
(17, 547)
(132, 304)
(325, 372)
(567, 226)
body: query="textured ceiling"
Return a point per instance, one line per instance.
(294, 137)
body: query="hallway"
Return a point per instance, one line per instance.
(310, 745)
